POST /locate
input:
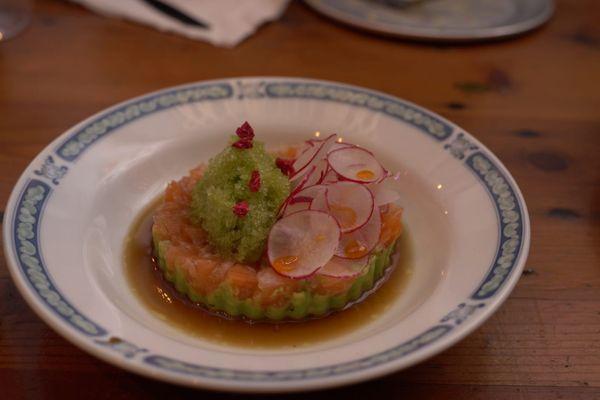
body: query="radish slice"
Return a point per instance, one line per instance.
(338, 145)
(344, 268)
(302, 200)
(296, 204)
(312, 156)
(304, 159)
(305, 146)
(319, 202)
(302, 183)
(384, 195)
(351, 204)
(356, 164)
(317, 174)
(298, 188)
(330, 177)
(388, 174)
(385, 192)
(314, 141)
(362, 241)
(301, 243)
(311, 192)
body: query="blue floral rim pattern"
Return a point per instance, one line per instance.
(26, 237)
(39, 187)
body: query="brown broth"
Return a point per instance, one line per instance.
(146, 281)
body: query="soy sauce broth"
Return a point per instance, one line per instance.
(148, 285)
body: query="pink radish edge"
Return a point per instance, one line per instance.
(382, 171)
(329, 269)
(358, 185)
(299, 171)
(369, 231)
(314, 269)
(295, 191)
(303, 196)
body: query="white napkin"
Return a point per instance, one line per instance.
(230, 21)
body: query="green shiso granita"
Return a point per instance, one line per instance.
(238, 198)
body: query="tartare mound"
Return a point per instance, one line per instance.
(300, 235)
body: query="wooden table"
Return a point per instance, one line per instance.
(534, 101)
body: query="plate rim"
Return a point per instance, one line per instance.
(432, 34)
(120, 359)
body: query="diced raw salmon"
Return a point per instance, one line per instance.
(243, 280)
(199, 274)
(391, 225)
(274, 289)
(331, 286)
(175, 193)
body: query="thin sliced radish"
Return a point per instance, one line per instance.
(314, 141)
(304, 158)
(330, 177)
(362, 241)
(387, 174)
(312, 156)
(319, 202)
(295, 205)
(344, 267)
(304, 147)
(356, 164)
(317, 174)
(299, 186)
(386, 191)
(301, 243)
(312, 191)
(350, 203)
(338, 145)
(311, 174)
(302, 199)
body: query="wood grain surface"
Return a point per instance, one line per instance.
(533, 100)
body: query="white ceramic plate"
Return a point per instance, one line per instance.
(69, 213)
(440, 20)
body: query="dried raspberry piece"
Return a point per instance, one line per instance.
(241, 208)
(254, 183)
(245, 132)
(285, 165)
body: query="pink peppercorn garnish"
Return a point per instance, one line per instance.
(285, 165)
(254, 183)
(246, 134)
(241, 209)
(245, 131)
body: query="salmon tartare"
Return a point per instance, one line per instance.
(272, 238)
